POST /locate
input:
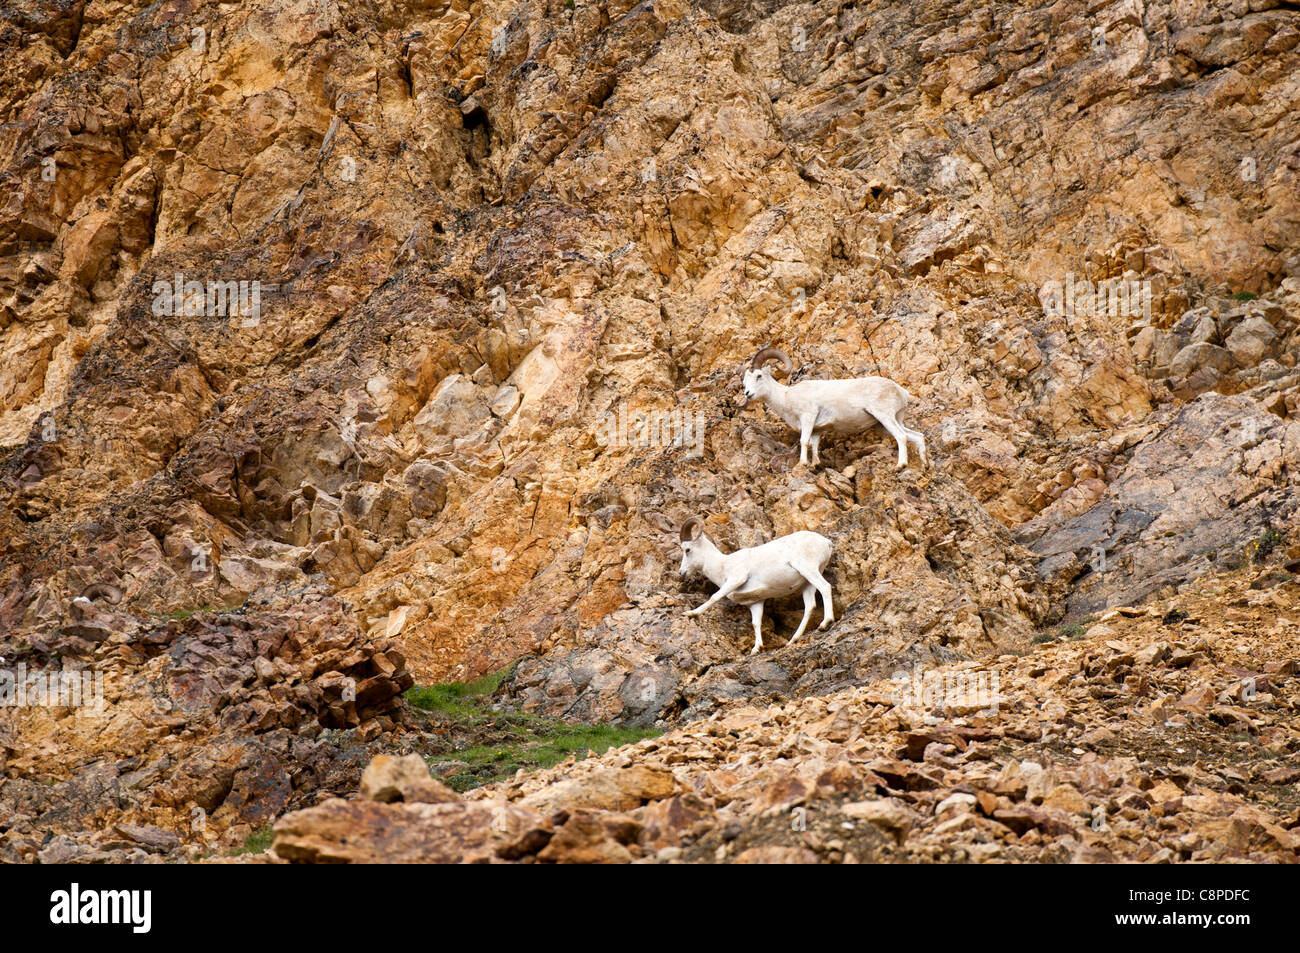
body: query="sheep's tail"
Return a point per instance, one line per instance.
(907, 399)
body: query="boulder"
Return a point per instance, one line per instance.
(1251, 341)
(387, 779)
(1200, 355)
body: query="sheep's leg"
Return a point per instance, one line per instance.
(816, 449)
(810, 572)
(918, 438)
(756, 613)
(727, 589)
(809, 603)
(899, 434)
(806, 424)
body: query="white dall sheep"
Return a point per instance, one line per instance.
(835, 407)
(751, 576)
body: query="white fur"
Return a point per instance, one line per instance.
(751, 576)
(836, 407)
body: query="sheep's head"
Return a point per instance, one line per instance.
(692, 560)
(758, 379)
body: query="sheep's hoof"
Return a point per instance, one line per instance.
(825, 624)
(754, 650)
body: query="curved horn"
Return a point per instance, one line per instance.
(773, 353)
(691, 524)
(102, 589)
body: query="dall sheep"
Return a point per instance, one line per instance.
(752, 576)
(836, 407)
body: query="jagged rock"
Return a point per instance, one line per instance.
(612, 790)
(367, 832)
(884, 814)
(1198, 356)
(1163, 520)
(587, 839)
(1251, 341)
(389, 779)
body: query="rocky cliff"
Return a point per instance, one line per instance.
(353, 345)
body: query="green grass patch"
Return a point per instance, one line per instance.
(257, 842)
(457, 698)
(546, 745)
(181, 614)
(1245, 296)
(483, 745)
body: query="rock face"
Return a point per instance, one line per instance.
(1191, 499)
(344, 346)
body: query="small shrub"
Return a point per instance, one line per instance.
(258, 842)
(1268, 541)
(1071, 631)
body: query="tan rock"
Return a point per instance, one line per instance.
(883, 813)
(585, 838)
(389, 779)
(776, 854)
(370, 832)
(1064, 797)
(609, 789)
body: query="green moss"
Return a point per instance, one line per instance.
(1245, 296)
